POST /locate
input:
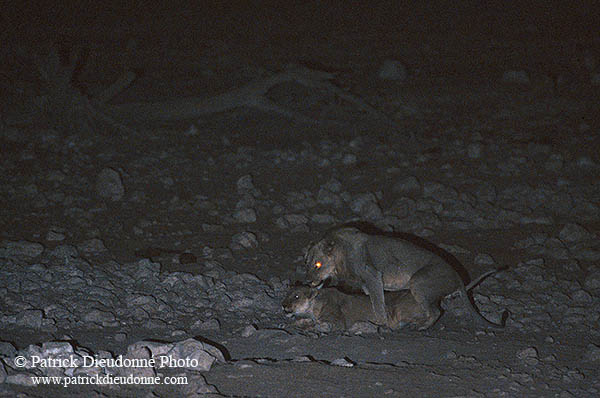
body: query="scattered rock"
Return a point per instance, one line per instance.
(211, 228)
(554, 163)
(92, 247)
(109, 185)
(550, 358)
(30, 318)
(244, 240)
(474, 150)
(20, 248)
(329, 198)
(291, 221)
(104, 318)
(585, 162)
(343, 362)
(248, 331)
(57, 349)
(407, 185)
(349, 159)
(302, 358)
(333, 185)
(245, 184)
(7, 350)
(363, 328)
(323, 219)
(592, 279)
(439, 192)
(211, 324)
(55, 235)
(573, 233)
(137, 352)
(245, 215)
(146, 269)
(65, 252)
(515, 77)
(581, 296)
(483, 259)
(592, 353)
(392, 70)
(120, 337)
(194, 355)
(365, 204)
(529, 355)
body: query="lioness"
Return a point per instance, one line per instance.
(341, 311)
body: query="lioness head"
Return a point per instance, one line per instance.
(299, 300)
(322, 261)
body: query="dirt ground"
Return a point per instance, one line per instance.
(195, 227)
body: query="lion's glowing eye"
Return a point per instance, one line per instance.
(318, 265)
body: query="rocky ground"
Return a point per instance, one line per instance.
(179, 239)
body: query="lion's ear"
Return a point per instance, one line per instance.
(306, 250)
(329, 246)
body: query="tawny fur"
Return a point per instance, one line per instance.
(378, 263)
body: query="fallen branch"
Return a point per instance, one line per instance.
(253, 94)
